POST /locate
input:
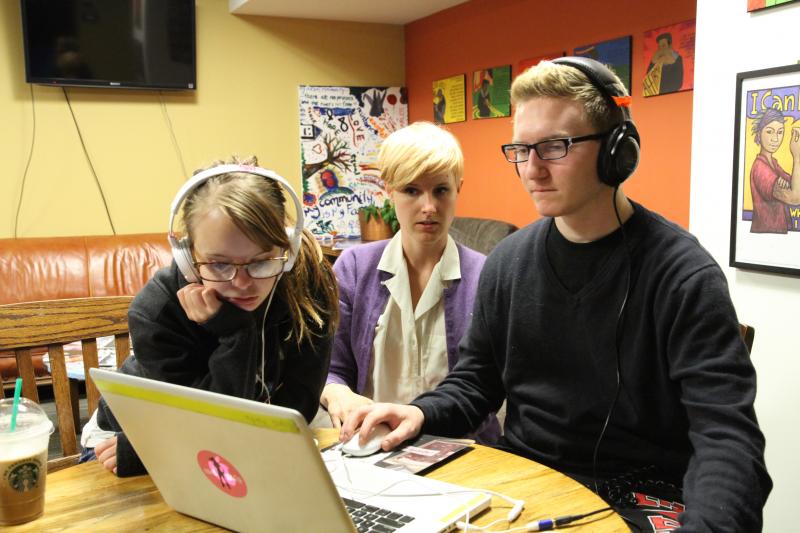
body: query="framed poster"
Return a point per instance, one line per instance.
(615, 53)
(341, 129)
(756, 5)
(491, 92)
(669, 59)
(450, 100)
(765, 207)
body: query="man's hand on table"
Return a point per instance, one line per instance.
(404, 420)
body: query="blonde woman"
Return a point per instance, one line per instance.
(405, 302)
(249, 326)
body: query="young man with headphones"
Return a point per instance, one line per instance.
(248, 308)
(608, 330)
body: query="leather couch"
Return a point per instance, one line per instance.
(481, 234)
(51, 268)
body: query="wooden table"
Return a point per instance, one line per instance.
(86, 497)
(331, 252)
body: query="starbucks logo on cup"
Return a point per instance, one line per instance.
(24, 476)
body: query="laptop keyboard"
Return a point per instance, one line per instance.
(369, 519)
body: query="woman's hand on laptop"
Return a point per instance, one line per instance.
(106, 453)
(340, 401)
(199, 302)
(404, 420)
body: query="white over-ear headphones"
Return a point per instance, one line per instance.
(182, 249)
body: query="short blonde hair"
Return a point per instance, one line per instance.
(419, 149)
(562, 81)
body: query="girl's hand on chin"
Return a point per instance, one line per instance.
(199, 302)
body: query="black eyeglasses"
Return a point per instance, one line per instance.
(546, 150)
(266, 268)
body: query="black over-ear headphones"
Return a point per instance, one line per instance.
(182, 248)
(619, 151)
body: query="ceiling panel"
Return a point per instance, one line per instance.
(377, 11)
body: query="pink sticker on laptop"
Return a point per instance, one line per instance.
(222, 473)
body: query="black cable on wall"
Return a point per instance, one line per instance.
(89, 160)
(172, 134)
(28, 164)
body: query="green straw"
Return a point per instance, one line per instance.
(15, 407)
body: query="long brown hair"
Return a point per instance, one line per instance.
(257, 206)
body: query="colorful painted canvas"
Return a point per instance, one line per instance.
(615, 53)
(490, 92)
(525, 64)
(669, 59)
(755, 5)
(450, 100)
(341, 129)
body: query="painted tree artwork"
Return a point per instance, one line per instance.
(341, 129)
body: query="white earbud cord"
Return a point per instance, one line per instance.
(262, 377)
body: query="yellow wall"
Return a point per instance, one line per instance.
(248, 72)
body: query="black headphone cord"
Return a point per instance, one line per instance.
(617, 339)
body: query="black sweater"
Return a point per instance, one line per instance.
(223, 355)
(686, 399)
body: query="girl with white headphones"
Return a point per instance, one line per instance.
(248, 308)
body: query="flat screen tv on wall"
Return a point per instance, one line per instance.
(138, 44)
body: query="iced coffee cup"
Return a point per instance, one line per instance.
(23, 461)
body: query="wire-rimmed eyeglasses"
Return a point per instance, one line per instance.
(545, 150)
(263, 269)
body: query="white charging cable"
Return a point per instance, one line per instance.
(545, 524)
(516, 505)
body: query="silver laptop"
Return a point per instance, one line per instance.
(249, 466)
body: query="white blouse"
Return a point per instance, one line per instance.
(410, 346)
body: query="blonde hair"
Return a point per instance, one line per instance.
(562, 81)
(257, 207)
(419, 149)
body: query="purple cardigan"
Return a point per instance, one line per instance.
(362, 299)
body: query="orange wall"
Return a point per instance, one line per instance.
(487, 33)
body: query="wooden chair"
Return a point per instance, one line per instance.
(52, 324)
(748, 335)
